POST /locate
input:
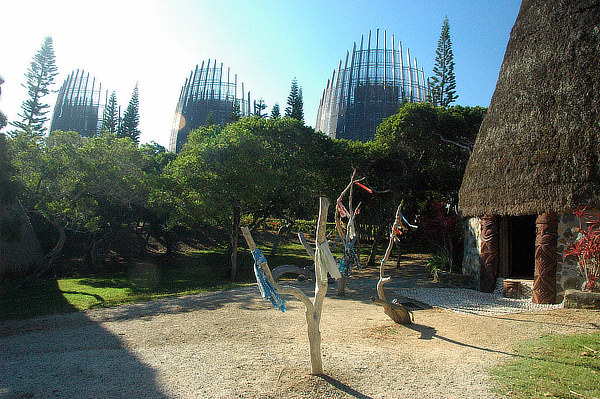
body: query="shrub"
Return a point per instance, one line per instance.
(586, 248)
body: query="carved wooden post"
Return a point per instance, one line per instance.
(489, 253)
(544, 281)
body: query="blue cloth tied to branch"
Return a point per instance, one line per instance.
(267, 291)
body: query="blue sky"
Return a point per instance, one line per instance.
(267, 43)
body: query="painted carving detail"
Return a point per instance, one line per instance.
(544, 282)
(489, 253)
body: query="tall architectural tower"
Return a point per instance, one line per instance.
(368, 87)
(207, 96)
(79, 105)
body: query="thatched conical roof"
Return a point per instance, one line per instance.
(538, 146)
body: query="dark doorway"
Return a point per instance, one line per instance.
(522, 246)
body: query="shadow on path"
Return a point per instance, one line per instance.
(343, 387)
(70, 356)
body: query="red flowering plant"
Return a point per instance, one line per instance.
(586, 248)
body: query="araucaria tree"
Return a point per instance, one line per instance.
(295, 108)
(443, 82)
(111, 119)
(40, 77)
(235, 114)
(131, 118)
(275, 113)
(259, 107)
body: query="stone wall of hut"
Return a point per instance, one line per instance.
(472, 242)
(567, 271)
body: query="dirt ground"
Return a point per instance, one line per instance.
(233, 344)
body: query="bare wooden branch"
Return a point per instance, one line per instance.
(296, 292)
(313, 318)
(396, 312)
(306, 245)
(313, 308)
(463, 146)
(344, 235)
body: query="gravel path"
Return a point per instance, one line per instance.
(232, 344)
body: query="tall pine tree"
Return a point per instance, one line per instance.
(295, 108)
(275, 113)
(443, 82)
(236, 113)
(40, 77)
(2, 114)
(259, 107)
(131, 118)
(111, 118)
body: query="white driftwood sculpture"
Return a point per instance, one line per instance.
(347, 233)
(396, 312)
(314, 307)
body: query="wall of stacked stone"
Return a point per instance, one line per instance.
(472, 242)
(567, 271)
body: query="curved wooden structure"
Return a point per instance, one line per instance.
(395, 311)
(307, 272)
(209, 90)
(314, 308)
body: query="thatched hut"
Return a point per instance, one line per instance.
(535, 158)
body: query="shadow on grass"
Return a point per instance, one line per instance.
(95, 296)
(428, 333)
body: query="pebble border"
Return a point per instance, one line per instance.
(464, 300)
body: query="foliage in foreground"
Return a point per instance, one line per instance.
(555, 366)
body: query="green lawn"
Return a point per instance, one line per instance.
(554, 366)
(186, 273)
(189, 273)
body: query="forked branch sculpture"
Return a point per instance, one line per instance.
(347, 233)
(395, 311)
(324, 263)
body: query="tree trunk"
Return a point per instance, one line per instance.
(376, 241)
(233, 238)
(342, 286)
(314, 335)
(314, 308)
(97, 252)
(284, 228)
(399, 260)
(21, 252)
(51, 257)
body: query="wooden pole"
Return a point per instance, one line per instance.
(314, 307)
(544, 282)
(489, 253)
(313, 316)
(340, 229)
